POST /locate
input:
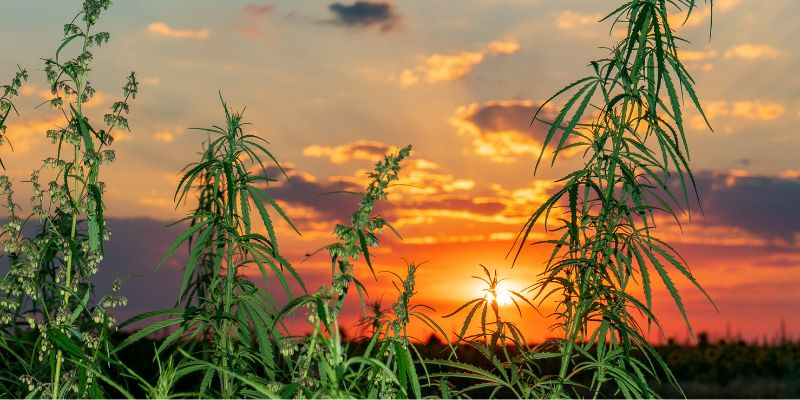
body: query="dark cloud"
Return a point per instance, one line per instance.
(301, 190)
(500, 117)
(364, 14)
(510, 116)
(763, 205)
(136, 247)
(329, 198)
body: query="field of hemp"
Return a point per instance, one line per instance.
(227, 335)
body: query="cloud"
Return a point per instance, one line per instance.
(499, 47)
(457, 202)
(257, 11)
(167, 134)
(698, 17)
(151, 81)
(437, 68)
(420, 177)
(98, 98)
(365, 14)
(750, 51)
(700, 14)
(28, 133)
(136, 247)
(164, 136)
(252, 16)
(701, 58)
(358, 150)
(753, 110)
(726, 5)
(423, 193)
(569, 19)
(697, 55)
(765, 206)
(304, 190)
(501, 129)
(162, 29)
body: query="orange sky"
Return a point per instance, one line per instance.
(333, 90)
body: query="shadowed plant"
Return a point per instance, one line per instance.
(10, 91)
(220, 305)
(511, 368)
(496, 332)
(48, 286)
(604, 213)
(324, 366)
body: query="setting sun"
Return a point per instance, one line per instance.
(503, 295)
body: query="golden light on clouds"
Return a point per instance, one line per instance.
(164, 136)
(436, 68)
(359, 150)
(696, 55)
(701, 14)
(753, 110)
(150, 81)
(503, 46)
(749, 51)
(570, 19)
(500, 129)
(162, 29)
(28, 133)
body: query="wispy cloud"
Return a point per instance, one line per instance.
(164, 136)
(151, 81)
(252, 14)
(257, 11)
(364, 14)
(701, 14)
(753, 110)
(697, 55)
(749, 51)
(435, 68)
(570, 19)
(162, 29)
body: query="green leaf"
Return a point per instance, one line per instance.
(142, 333)
(96, 221)
(365, 251)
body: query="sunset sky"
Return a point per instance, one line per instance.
(335, 85)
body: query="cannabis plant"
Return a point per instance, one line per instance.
(10, 91)
(47, 287)
(220, 305)
(510, 363)
(324, 366)
(604, 214)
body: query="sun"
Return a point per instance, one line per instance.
(503, 295)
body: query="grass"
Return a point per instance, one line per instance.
(225, 337)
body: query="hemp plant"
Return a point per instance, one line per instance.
(225, 307)
(48, 286)
(10, 91)
(511, 368)
(324, 367)
(604, 214)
